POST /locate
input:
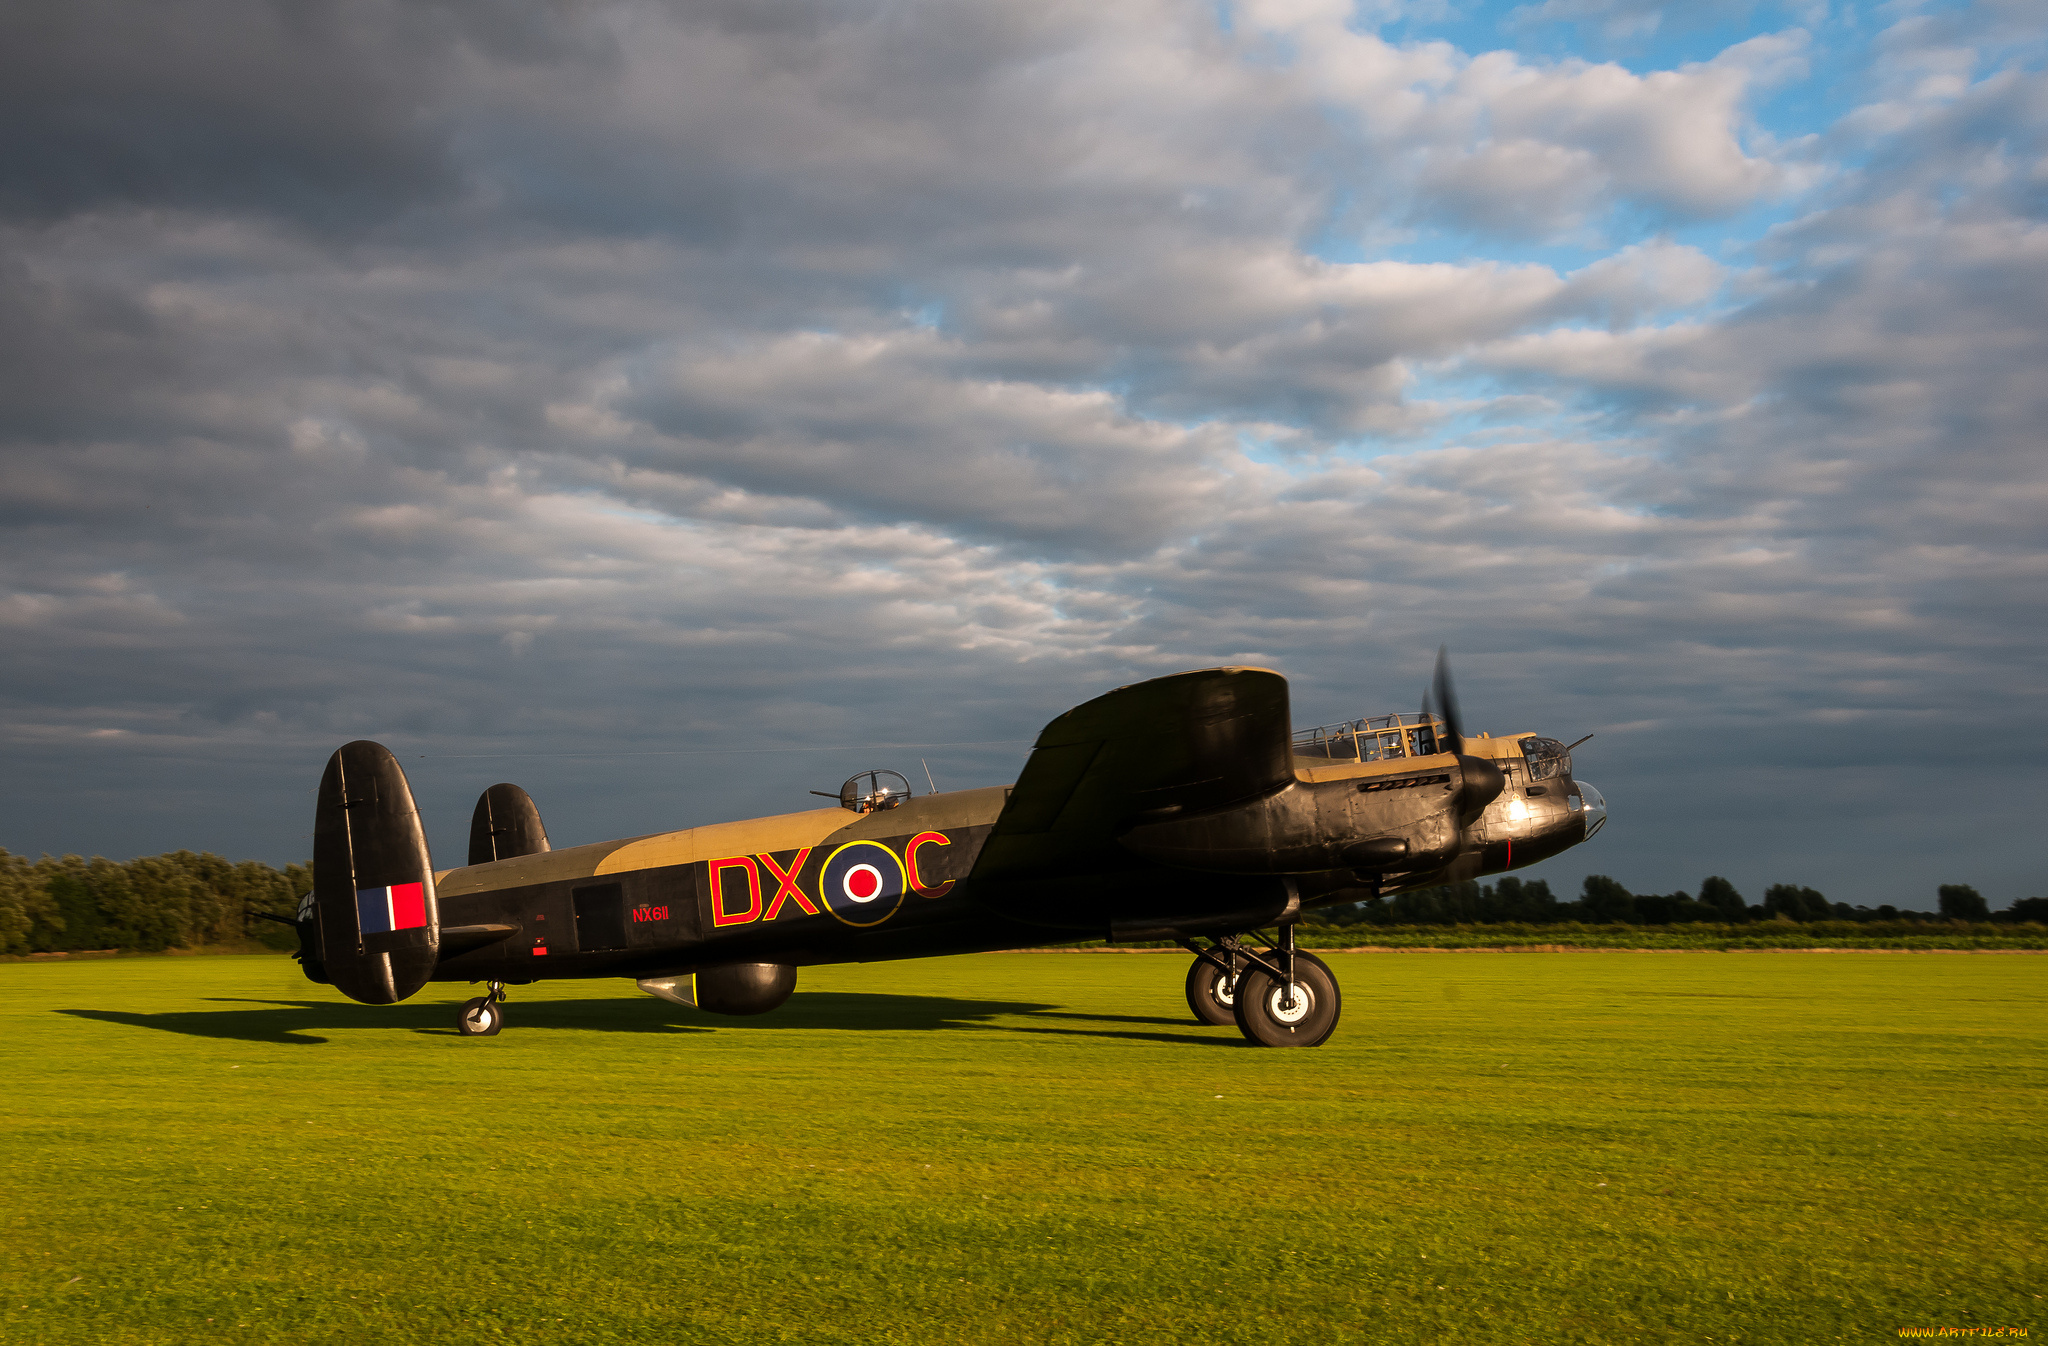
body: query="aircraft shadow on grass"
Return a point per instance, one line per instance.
(302, 1021)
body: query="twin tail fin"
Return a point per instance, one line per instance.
(373, 880)
(505, 824)
(372, 925)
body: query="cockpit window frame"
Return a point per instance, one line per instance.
(1375, 738)
(1549, 761)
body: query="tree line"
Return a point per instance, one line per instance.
(1604, 901)
(186, 901)
(157, 902)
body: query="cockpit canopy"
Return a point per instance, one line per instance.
(1375, 738)
(869, 791)
(1547, 758)
(1380, 738)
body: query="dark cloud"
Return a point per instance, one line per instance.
(630, 379)
(308, 110)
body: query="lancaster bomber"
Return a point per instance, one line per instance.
(1185, 809)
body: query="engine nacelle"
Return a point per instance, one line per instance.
(736, 988)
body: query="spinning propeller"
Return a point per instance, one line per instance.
(1480, 780)
(1440, 700)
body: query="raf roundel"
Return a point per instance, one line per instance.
(862, 883)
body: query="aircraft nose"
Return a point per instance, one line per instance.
(1592, 804)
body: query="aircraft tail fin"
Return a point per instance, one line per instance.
(505, 824)
(373, 879)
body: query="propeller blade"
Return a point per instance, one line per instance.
(1482, 781)
(1446, 698)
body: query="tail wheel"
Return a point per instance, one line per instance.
(1268, 1015)
(482, 1017)
(1210, 994)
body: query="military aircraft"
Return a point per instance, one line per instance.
(1184, 808)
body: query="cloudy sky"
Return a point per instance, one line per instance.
(661, 405)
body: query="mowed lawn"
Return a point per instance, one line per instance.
(1598, 1147)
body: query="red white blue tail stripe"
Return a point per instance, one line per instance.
(401, 906)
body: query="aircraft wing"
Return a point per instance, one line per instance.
(1155, 750)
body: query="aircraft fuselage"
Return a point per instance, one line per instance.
(830, 886)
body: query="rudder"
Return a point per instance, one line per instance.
(505, 824)
(373, 879)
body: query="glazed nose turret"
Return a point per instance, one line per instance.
(1592, 806)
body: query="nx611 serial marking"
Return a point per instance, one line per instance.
(1183, 808)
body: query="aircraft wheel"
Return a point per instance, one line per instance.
(1265, 1016)
(481, 1018)
(1209, 994)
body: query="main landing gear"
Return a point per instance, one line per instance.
(1279, 998)
(1212, 984)
(483, 1017)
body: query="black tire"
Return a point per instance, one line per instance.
(1209, 994)
(481, 1018)
(1266, 1022)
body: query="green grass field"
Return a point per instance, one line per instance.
(1914, 936)
(1599, 1147)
